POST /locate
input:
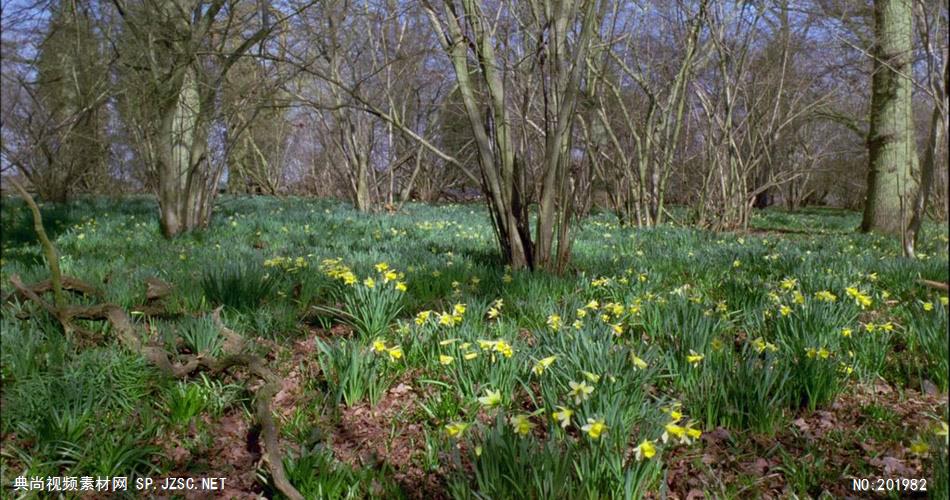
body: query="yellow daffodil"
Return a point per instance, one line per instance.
(470, 356)
(788, 283)
(928, 306)
(580, 391)
(645, 449)
(673, 430)
(379, 345)
(543, 364)
(595, 428)
(522, 424)
(846, 332)
(674, 411)
(446, 319)
(859, 297)
(761, 345)
(401, 286)
(456, 429)
(593, 377)
(485, 344)
(825, 296)
(395, 353)
(458, 309)
(554, 322)
(491, 399)
(694, 358)
(617, 329)
(422, 317)
(503, 348)
(692, 432)
(382, 267)
(445, 360)
(919, 447)
(563, 416)
(637, 362)
(369, 283)
(784, 310)
(615, 309)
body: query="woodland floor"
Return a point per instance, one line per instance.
(803, 355)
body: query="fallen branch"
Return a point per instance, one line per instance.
(233, 357)
(67, 283)
(52, 258)
(935, 284)
(155, 352)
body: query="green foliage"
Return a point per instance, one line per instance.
(740, 389)
(318, 475)
(730, 330)
(508, 465)
(810, 335)
(240, 285)
(353, 372)
(201, 336)
(369, 305)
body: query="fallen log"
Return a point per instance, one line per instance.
(233, 357)
(935, 285)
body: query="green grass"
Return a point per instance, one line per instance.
(675, 330)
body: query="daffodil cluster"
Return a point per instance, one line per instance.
(287, 264)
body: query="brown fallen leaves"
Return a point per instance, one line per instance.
(831, 446)
(373, 436)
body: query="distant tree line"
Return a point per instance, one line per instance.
(543, 108)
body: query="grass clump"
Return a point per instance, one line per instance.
(241, 286)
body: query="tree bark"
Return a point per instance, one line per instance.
(892, 154)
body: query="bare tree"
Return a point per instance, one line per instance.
(932, 28)
(54, 116)
(651, 116)
(175, 56)
(556, 37)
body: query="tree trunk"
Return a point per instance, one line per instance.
(892, 154)
(185, 191)
(938, 129)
